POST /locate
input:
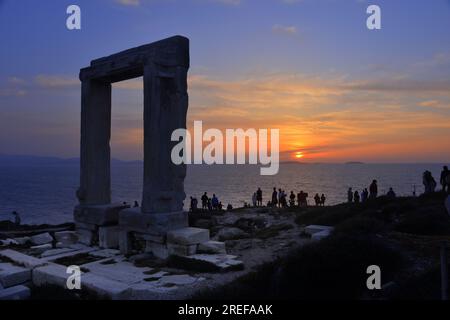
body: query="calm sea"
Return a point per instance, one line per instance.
(46, 194)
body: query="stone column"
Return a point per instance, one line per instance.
(165, 109)
(95, 181)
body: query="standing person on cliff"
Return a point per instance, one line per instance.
(373, 190)
(350, 195)
(204, 199)
(323, 199)
(259, 197)
(254, 201)
(445, 176)
(356, 196)
(17, 220)
(274, 197)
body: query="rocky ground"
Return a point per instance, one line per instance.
(270, 253)
(37, 258)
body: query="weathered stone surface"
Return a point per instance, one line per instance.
(164, 66)
(164, 62)
(188, 236)
(51, 274)
(179, 280)
(71, 253)
(15, 293)
(23, 240)
(311, 229)
(158, 238)
(203, 223)
(42, 238)
(108, 237)
(157, 249)
(223, 262)
(42, 247)
(85, 237)
(100, 215)
(8, 242)
(125, 244)
(105, 253)
(66, 237)
(211, 247)
(320, 235)
(104, 287)
(11, 275)
(80, 246)
(227, 219)
(231, 234)
(156, 224)
(171, 52)
(54, 252)
(121, 271)
(181, 250)
(86, 226)
(22, 259)
(208, 262)
(149, 291)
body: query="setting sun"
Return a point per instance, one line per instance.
(299, 155)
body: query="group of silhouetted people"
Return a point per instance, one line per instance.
(281, 199)
(430, 184)
(210, 204)
(257, 198)
(366, 194)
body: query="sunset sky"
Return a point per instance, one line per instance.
(336, 90)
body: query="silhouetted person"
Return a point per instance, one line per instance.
(445, 177)
(209, 204)
(254, 199)
(305, 199)
(136, 204)
(373, 190)
(283, 200)
(428, 182)
(17, 220)
(301, 198)
(364, 195)
(317, 199)
(391, 193)
(280, 200)
(350, 195)
(322, 200)
(204, 199)
(229, 207)
(259, 197)
(292, 199)
(274, 197)
(214, 202)
(220, 206)
(356, 197)
(194, 204)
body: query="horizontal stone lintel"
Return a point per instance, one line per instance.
(170, 52)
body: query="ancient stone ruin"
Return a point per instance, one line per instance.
(160, 256)
(164, 65)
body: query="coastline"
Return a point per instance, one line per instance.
(402, 235)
